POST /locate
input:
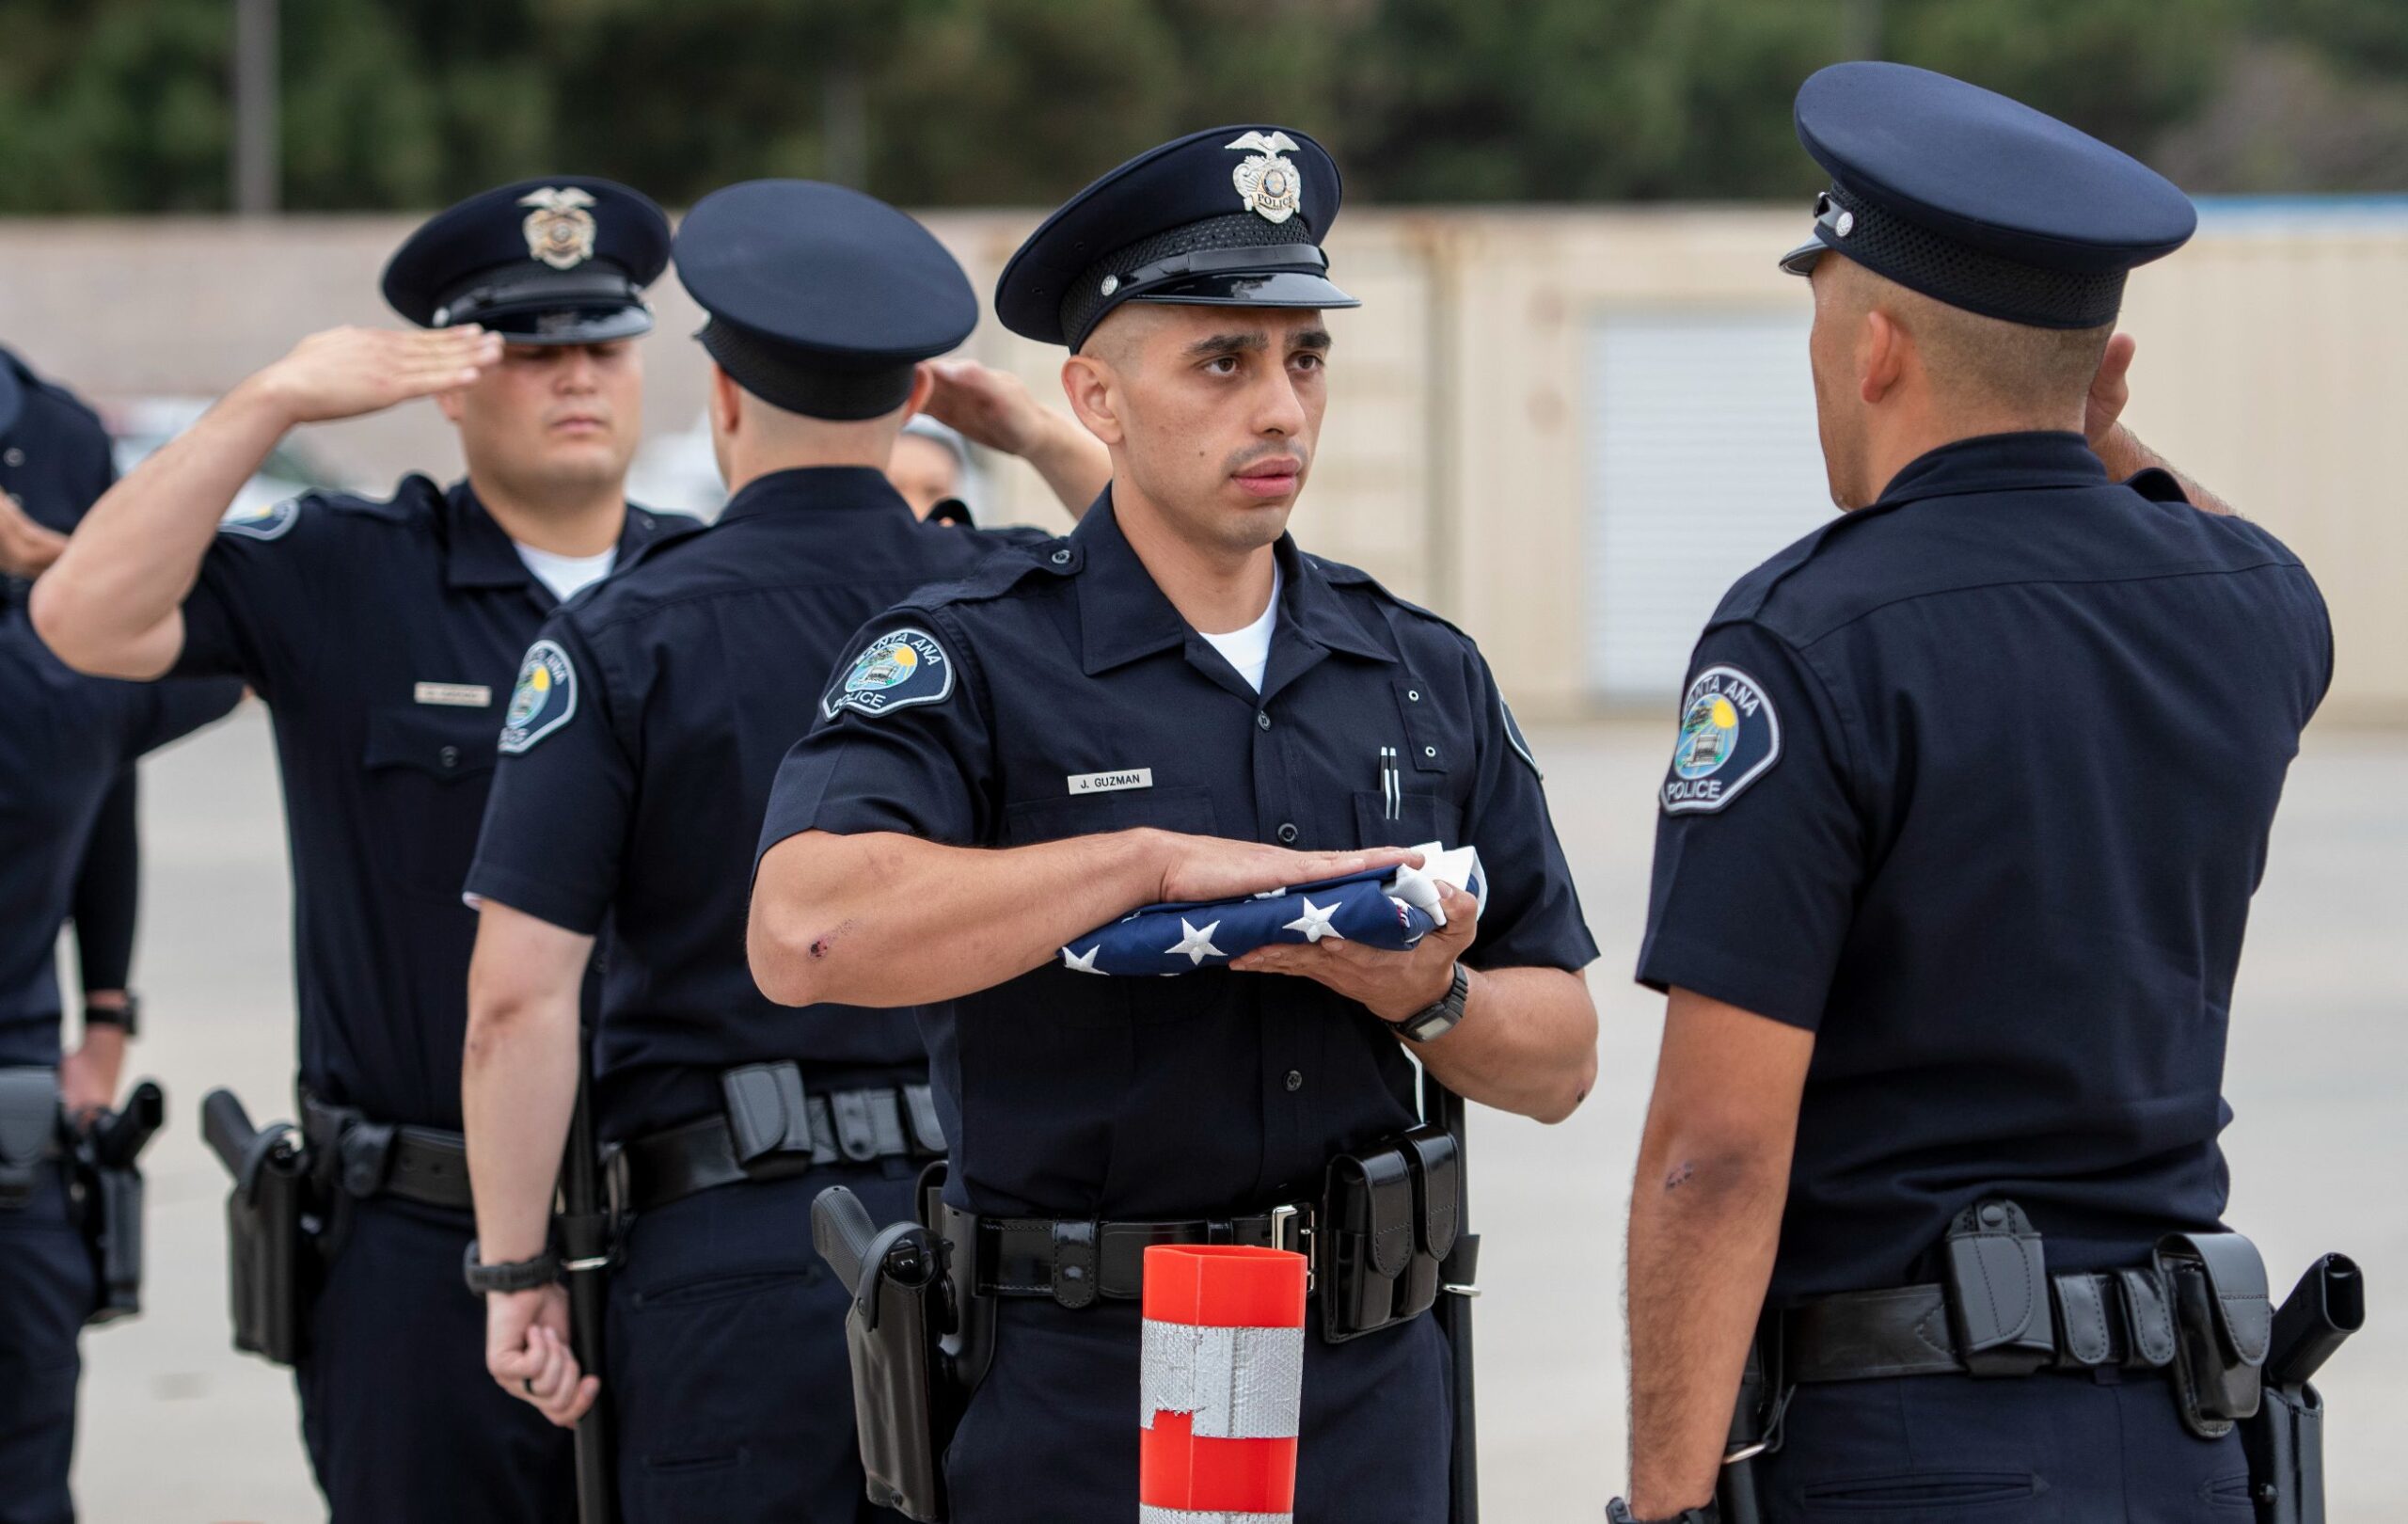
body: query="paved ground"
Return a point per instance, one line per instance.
(178, 1427)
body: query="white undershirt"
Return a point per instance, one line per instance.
(1249, 649)
(567, 576)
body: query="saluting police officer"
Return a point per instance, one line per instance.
(66, 851)
(639, 745)
(1173, 704)
(1971, 789)
(384, 635)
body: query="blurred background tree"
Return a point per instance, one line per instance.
(124, 105)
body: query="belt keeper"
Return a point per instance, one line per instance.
(856, 1128)
(366, 1152)
(927, 1130)
(1074, 1264)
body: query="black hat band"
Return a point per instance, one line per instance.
(1215, 245)
(518, 290)
(799, 381)
(1961, 276)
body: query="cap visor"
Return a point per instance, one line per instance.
(1800, 260)
(1272, 288)
(555, 326)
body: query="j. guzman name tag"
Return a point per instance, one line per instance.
(456, 695)
(1105, 782)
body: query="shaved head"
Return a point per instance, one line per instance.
(1977, 362)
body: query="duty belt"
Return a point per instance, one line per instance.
(856, 1125)
(2112, 1318)
(1074, 1260)
(366, 1158)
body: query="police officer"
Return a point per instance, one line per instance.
(384, 635)
(1173, 704)
(1971, 789)
(639, 744)
(66, 753)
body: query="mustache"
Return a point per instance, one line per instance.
(1251, 454)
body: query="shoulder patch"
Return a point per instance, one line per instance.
(268, 523)
(543, 700)
(903, 667)
(1730, 737)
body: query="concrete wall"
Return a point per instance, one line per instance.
(1452, 465)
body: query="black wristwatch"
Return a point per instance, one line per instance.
(1438, 1018)
(513, 1276)
(128, 1016)
(1618, 1512)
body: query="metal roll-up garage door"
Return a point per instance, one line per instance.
(1702, 462)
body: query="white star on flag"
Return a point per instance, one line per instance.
(1314, 923)
(1083, 965)
(1196, 945)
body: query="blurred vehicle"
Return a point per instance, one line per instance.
(139, 427)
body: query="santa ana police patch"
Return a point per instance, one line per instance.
(1730, 737)
(266, 523)
(896, 670)
(543, 700)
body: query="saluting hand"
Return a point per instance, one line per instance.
(347, 372)
(26, 548)
(1393, 986)
(526, 1353)
(993, 408)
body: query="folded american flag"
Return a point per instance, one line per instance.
(1390, 909)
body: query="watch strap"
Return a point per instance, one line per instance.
(1438, 1018)
(127, 1018)
(510, 1275)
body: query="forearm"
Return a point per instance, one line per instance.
(1703, 1228)
(831, 913)
(1075, 463)
(518, 1086)
(2125, 456)
(1527, 1043)
(111, 605)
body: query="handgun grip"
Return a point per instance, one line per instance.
(841, 1231)
(2327, 1306)
(225, 1127)
(123, 1135)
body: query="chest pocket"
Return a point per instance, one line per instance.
(1419, 806)
(428, 771)
(1188, 810)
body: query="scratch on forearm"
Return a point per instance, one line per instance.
(1680, 1175)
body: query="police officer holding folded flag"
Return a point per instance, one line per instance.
(70, 1205)
(384, 635)
(638, 750)
(1957, 845)
(1177, 703)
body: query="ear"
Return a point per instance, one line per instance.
(1093, 390)
(450, 403)
(1882, 349)
(725, 402)
(924, 385)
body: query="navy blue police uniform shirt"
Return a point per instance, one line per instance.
(643, 735)
(65, 739)
(1975, 784)
(1009, 709)
(383, 635)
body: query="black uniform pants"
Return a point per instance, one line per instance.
(727, 1377)
(2060, 1447)
(46, 1291)
(404, 1425)
(1052, 1433)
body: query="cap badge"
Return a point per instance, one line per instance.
(559, 231)
(1268, 184)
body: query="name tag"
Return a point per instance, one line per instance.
(1105, 782)
(456, 695)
